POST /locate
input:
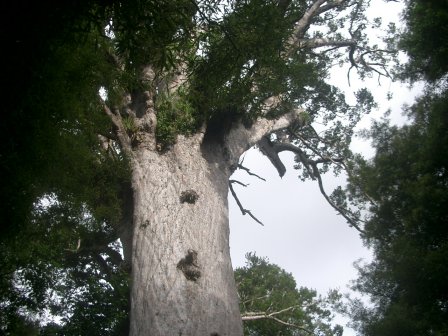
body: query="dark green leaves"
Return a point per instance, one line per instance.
(424, 39)
(408, 225)
(265, 289)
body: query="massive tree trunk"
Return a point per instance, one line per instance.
(182, 278)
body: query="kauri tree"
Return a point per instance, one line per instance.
(123, 122)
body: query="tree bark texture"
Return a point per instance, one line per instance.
(182, 280)
(182, 277)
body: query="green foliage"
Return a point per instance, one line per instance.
(424, 39)
(265, 288)
(130, 125)
(407, 228)
(50, 155)
(175, 115)
(54, 115)
(151, 31)
(407, 182)
(244, 50)
(66, 267)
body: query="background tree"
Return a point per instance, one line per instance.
(186, 87)
(407, 227)
(423, 39)
(61, 190)
(406, 182)
(271, 303)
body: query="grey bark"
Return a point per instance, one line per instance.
(182, 277)
(177, 243)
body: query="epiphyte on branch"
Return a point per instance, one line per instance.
(190, 196)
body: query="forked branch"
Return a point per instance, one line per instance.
(272, 149)
(247, 170)
(243, 210)
(253, 316)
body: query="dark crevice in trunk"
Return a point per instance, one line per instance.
(126, 226)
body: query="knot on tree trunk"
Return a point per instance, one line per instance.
(189, 266)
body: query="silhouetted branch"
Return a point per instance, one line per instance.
(343, 212)
(272, 149)
(240, 166)
(243, 211)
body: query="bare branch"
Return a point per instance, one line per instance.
(267, 148)
(240, 166)
(329, 6)
(305, 21)
(326, 42)
(302, 25)
(343, 212)
(243, 211)
(281, 147)
(272, 150)
(238, 182)
(252, 316)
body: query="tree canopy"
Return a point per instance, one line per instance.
(423, 39)
(271, 303)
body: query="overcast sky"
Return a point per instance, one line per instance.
(302, 233)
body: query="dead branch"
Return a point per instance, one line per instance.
(243, 211)
(238, 182)
(271, 150)
(247, 170)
